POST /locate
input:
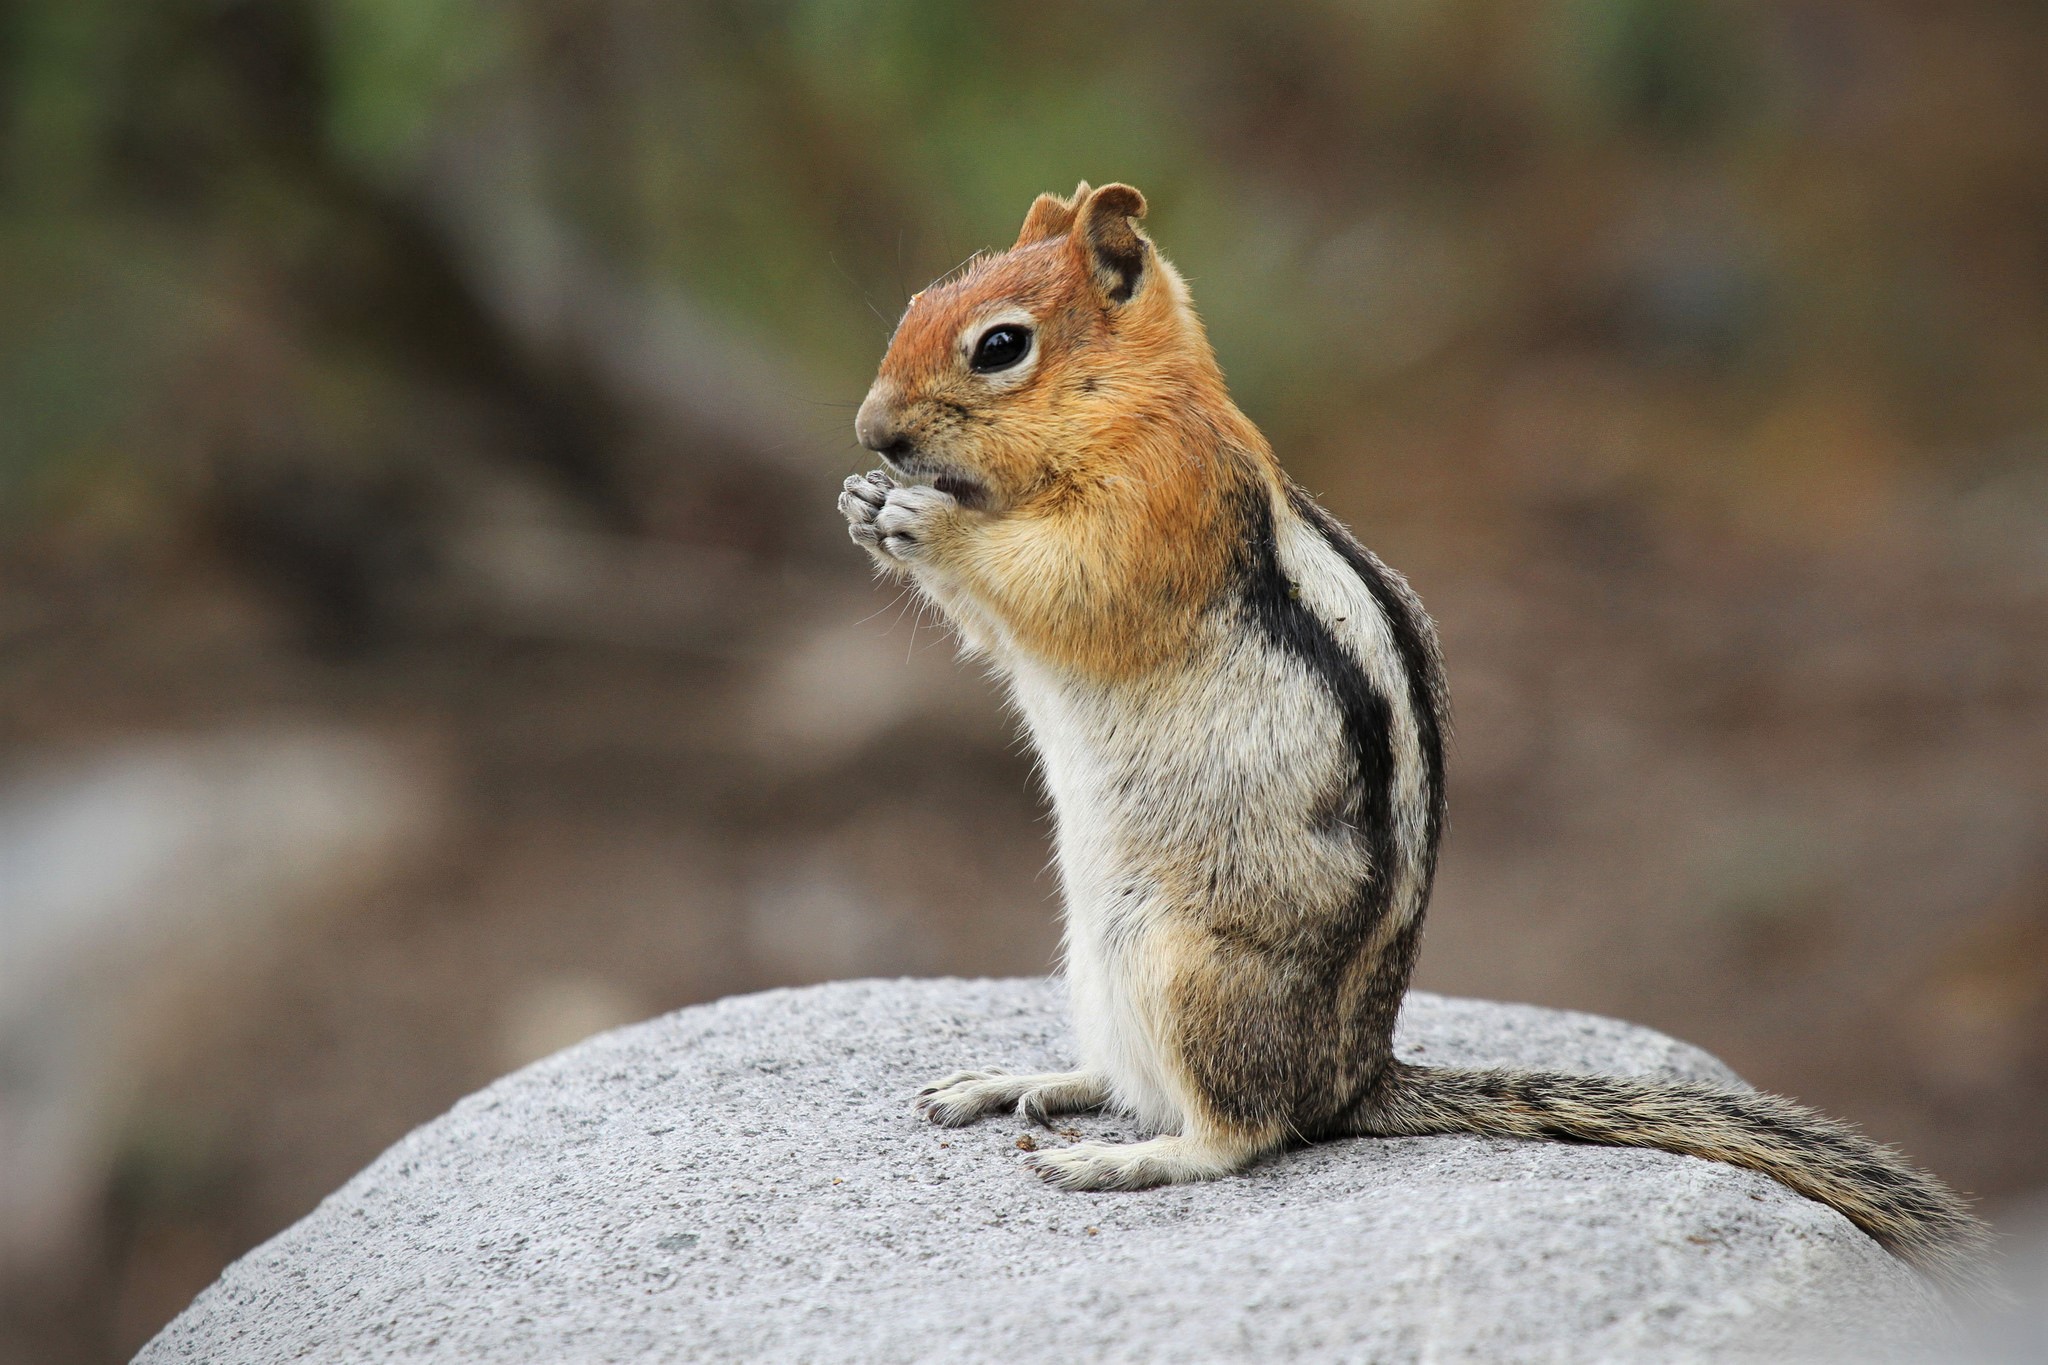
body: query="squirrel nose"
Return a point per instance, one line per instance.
(874, 426)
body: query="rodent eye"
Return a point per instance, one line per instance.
(1000, 347)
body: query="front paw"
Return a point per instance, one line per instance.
(897, 525)
(860, 502)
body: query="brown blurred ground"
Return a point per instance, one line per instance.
(1689, 358)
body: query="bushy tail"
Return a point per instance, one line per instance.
(1908, 1212)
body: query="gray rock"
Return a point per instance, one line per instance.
(745, 1181)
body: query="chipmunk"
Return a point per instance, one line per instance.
(1240, 715)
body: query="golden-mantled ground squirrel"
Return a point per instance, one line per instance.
(1240, 714)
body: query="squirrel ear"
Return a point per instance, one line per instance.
(1050, 216)
(1106, 228)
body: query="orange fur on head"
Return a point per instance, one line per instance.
(1098, 464)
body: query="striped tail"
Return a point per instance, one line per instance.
(1905, 1210)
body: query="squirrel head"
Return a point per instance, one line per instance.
(1041, 367)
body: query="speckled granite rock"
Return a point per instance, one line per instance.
(745, 1181)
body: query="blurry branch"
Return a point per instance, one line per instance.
(691, 384)
(553, 582)
(503, 347)
(651, 350)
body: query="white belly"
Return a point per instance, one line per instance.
(1208, 779)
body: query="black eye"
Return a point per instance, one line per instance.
(1000, 347)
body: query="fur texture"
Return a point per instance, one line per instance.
(1241, 718)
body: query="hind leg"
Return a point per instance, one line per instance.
(965, 1096)
(1240, 1050)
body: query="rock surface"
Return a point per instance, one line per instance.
(744, 1180)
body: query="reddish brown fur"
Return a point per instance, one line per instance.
(1110, 462)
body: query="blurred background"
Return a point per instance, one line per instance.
(427, 637)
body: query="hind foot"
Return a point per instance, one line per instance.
(1140, 1165)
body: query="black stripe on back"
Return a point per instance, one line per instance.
(1421, 662)
(1273, 604)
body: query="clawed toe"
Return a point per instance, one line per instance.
(1139, 1165)
(966, 1096)
(949, 1113)
(962, 1078)
(1078, 1168)
(860, 502)
(871, 488)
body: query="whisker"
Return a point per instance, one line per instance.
(973, 259)
(895, 601)
(915, 622)
(833, 257)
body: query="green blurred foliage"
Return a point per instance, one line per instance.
(396, 66)
(1386, 207)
